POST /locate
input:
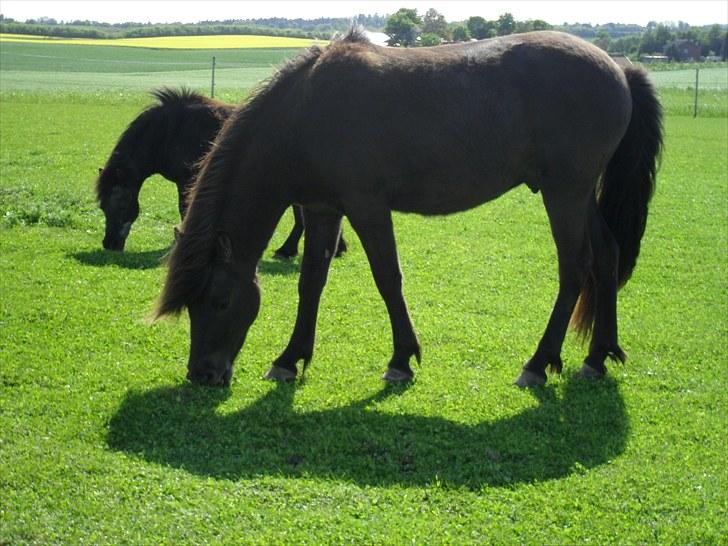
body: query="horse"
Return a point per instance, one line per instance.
(358, 130)
(168, 138)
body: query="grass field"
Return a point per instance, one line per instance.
(103, 442)
(52, 66)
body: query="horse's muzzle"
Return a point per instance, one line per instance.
(211, 376)
(114, 244)
(115, 240)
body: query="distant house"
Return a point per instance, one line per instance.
(621, 60)
(654, 59)
(683, 50)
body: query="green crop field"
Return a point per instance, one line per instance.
(103, 442)
(62, 68)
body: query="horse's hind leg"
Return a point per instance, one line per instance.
(289, 248)
(319, 247)
(602, 293)
(568, 217)
(374, 228)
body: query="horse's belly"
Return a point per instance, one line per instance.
(435, 198)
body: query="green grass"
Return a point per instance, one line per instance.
(677, 90)
(30, 67)
(88, 70)
(103, 442)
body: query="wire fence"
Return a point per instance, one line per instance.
(693, 91)
(697, 91)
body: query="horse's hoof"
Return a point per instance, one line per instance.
(530, 379)
(394, 375)
(588, 372)
(283, 375)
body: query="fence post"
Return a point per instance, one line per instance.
(212, 86)
(695, 105)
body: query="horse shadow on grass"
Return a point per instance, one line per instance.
(151, 259)
(180, 427)
(147, 259)
(273, 267)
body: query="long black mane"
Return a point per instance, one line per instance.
(189, 261)
(145, 132)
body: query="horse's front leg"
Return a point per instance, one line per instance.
(322, 232)
(374, 228)
(182, 197)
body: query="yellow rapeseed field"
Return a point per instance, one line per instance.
(176, 42)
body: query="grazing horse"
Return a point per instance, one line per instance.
(168, 138)
(360, 130)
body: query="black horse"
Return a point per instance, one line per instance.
(168, 138)
(360, 130)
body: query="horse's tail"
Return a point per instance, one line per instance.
(626, 188)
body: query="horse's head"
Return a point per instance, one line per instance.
(224, 305)
(118, 195)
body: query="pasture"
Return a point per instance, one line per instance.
(102, 441)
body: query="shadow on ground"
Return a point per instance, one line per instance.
(148, 259)
(151, 259)
(179, 427)
(274, 266)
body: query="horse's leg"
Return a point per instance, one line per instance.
(342, 246)
(568, 217)
(604, 335)
(377, 237)
(322, 231)
(289, 249)
(182, 199)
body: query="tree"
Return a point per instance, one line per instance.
(480, 28)
(715, 39)
(627, 45)
(403, 27)
(539, 24)
(434, 22)
(602, 40)
(505, 24)
(430, 39)
(460, 33)
(655, 39)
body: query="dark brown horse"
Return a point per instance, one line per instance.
(360, 130)
(168, 138)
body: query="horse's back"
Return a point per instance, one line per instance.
(442, 129)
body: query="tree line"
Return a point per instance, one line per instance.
(406, 28)
(321, 28)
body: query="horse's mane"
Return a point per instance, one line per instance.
(169, 96)
(147, 124)
(189, 261)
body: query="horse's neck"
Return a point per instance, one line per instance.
(256, 227)
(250, 217)
(147, 164)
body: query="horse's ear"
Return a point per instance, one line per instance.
(177, 234)
(224, 248)
(101, 169)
